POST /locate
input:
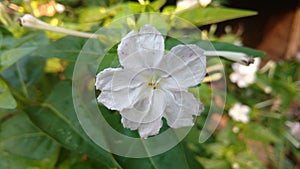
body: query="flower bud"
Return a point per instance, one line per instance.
(238, 57)
(31, 22)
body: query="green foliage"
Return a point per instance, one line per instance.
(260, 133)
(219, 46)
(40, 128)
(20, 137)
(67, 48)
(9, 161)
(10, 57)
(204, 16)
(7, 101)
(64, 126)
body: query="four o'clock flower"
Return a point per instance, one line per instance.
(240, 113)
(244, 75)
(151, 84)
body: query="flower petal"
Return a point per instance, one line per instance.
(119, 100)
(149, 107)
(234, 77)
(143, 49)
(186, 66)
(145, 129)
(181, 109)
(119, 88)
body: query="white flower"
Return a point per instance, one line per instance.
(240, 113)
(59, 7)
(294, 127)
(151, 85)
(184, 4)
(244, 75)
(235, 129)
(204, 3)
(235, 165)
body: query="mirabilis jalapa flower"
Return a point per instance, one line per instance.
(151, 85)
(240, 113)
(243, 75)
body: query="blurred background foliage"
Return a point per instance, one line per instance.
(39, 127)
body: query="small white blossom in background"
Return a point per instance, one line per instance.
(298, 56)
(59, 8)
(151, 85)
(243, 75)
(235, 166)
(235, 129)
(185, 4)
(204, 3)
(295, 133)
(294, 127)
(238, 43)
(240, 113)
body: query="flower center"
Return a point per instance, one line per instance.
(153, 85)
(154, 80)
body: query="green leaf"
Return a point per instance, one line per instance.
(4, 113)
(31, 69)
(156, 5)
(177, 157)
(69, 48)
(133, 7)
(95, 14)
(9, 161)
(110, 60)
(204, 16)
(219, 46)
(260, 133)
(20, 137)
(217, 149)
(6, 39)
(24, 75)
(203, 92)
(7, 101)
(78, 161)
(34, 38)
(227, 137)
(11, 56)
(214, 163)
(58, 119)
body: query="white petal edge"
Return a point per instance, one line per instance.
(117, 79)
(186, 66)
(119, 88)
(143, 49)
(149, 107)
(145, 129)
(182, 108)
